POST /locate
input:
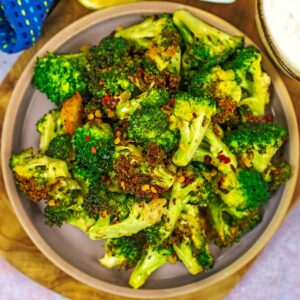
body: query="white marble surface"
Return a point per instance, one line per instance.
(275, 275)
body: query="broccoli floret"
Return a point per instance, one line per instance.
(214, 151)
(227, 224)
(85, 177)
(243, 190)
(206, 46)
(49, 126)
(36, 173)
(111, 51)
(191, 115)
(123, 252)
(148, 126)
(64, 206)
(100, 201)
(156, 97)
(190, 241)
(256, 142)
(60, 76)
(152, 259)
(110, 83)
(250, 77)
(159, 37)
(60, 147)
(216, 82)
(141, 215)
(93, 146)
(276, 175)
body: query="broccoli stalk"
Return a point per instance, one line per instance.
(190, 242)
(60, 76)
(217, 153)
(141, 215)
(206, 46)
(189, 187)
(152, 259)
(49, 126)
(256, 143)
(191, 116)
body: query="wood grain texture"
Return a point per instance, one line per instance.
(16, 247)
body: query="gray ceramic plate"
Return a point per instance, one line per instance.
(70, 249)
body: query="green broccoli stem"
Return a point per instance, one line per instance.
(178, 200)
(140, 217)
(191, 135)
(185, 254)
(219, 153)
(153, 258)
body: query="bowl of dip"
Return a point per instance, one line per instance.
(278, 23)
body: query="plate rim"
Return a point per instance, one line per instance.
(6, 146)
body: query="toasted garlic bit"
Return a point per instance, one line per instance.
(153, 190)
(182, 146)
(98, 113)
(145, 187)
(181, 179)
(117, 141)
(52, 203)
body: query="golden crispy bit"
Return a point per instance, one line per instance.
(71, 113)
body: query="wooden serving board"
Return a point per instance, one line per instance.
(16, 247)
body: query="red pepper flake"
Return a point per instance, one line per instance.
(221, 181)
(106, 98)
(93, 150)
(100, 144)
(139, 73)
(232, 168)
(187, 181)
(224, 159)
(87, 138)
(207, 159)
(172, 102)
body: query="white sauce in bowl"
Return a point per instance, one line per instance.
(283, 21)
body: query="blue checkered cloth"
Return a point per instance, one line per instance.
(21, 23)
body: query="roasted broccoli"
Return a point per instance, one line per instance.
(49, 126)
(190, 242)
(85, 177)
(64, 205)
(123, 252)
(213, 151)
(191, 187)
(35, 173)
(254, 82)
(152, 259)
(256, 143)
(159, 37)
(191, 115)
(60, 147)
(93, 146)
(148, 126)
(111, 51)
(60, 76)
(276, 175)
(205, 46)
(244, 189)
(141, 215)
(155, 98)
(227, 225)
